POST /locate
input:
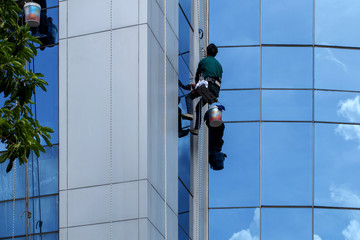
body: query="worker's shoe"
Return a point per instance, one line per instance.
(183, 133)
(187, 116)
(194, 131)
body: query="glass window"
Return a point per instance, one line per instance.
(337, 106)
(287, 21)
(47, 110)
(286, 223)
(234, 22)
(7, 181)
(337, 69)
(49, 3)
(234, 224)
(184, 37)
(238, 183)
(184, 160)
(6, 209)
(336, 22)
(182, 235)
(287, 105)
(46, 210)
(287, 67)
(337, 165)
(184, 208)
(241, 105)
(286, 163)
(241, 67)
(186, 7)
(336, 224)
(46, 34)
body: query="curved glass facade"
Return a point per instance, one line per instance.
(291, 88)
(43, 171)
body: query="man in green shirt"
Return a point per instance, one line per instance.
(211, 70)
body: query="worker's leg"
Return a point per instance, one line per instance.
(199, 107)
(189, 101)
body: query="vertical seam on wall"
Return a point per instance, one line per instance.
(313, 123)
(165, 99)
(67, 119)
(138, 111)
(260, 125)
(111, 122)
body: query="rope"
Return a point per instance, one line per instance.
(111, 120)
(165, 99)
(13, 226)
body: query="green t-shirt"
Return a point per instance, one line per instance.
(209, 67)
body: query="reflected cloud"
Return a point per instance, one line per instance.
(344, 195)
(328, 55)
(349, 109)
(352, 231)
(248, 234)
(348, 197)
(316, 237)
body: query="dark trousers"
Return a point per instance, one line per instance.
(189, 105)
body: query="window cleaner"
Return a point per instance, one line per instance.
(211, 71)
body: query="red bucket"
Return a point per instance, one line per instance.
(214, 116)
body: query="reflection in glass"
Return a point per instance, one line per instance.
(336, 224)
(287, 105)
(337, 69)
(337, 165)
(287, 67)
(286, 223)
(6, 210)
(238, 183)
(287, 21)
(184, 207)
(47, 63)
(336, 21)
(241, 67)
(234, 223)
(241, 105)
(286, 163)
(186, 7)
(337, 106)
(234, 22)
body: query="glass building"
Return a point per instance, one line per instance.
(118, 170)
(291, 89)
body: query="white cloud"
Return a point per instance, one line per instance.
(316, 237)
(349, 109)
(329, 56)
(247, 234)
(344, 196)
(243, 235)
(352, 231)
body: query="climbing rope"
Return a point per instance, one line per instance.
(165, 99)
(13, 223)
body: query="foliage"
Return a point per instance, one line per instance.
(19, 130)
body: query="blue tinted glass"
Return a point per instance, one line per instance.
(48, 35)
(184, 73)
(184, 160)
(45, 210)
(184, 34)
(235, 22)
(51, 3)
(234, 224)
(238, 183)
(286, 163)
(336, 21)
(337, 106)
(336, 224)
(286, 223)
(182, 234)
(184, 207)
(337, 150)
(46, 63)
(186, 7)
(287, 21)
(241, 67)
(287, 105)
(6, 210)
(287, 67)
(241, 105)
(337, 69)
(48, 170)
(7, 182)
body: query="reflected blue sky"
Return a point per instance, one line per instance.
(287, 21)
(336, 21)
(234, 22)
